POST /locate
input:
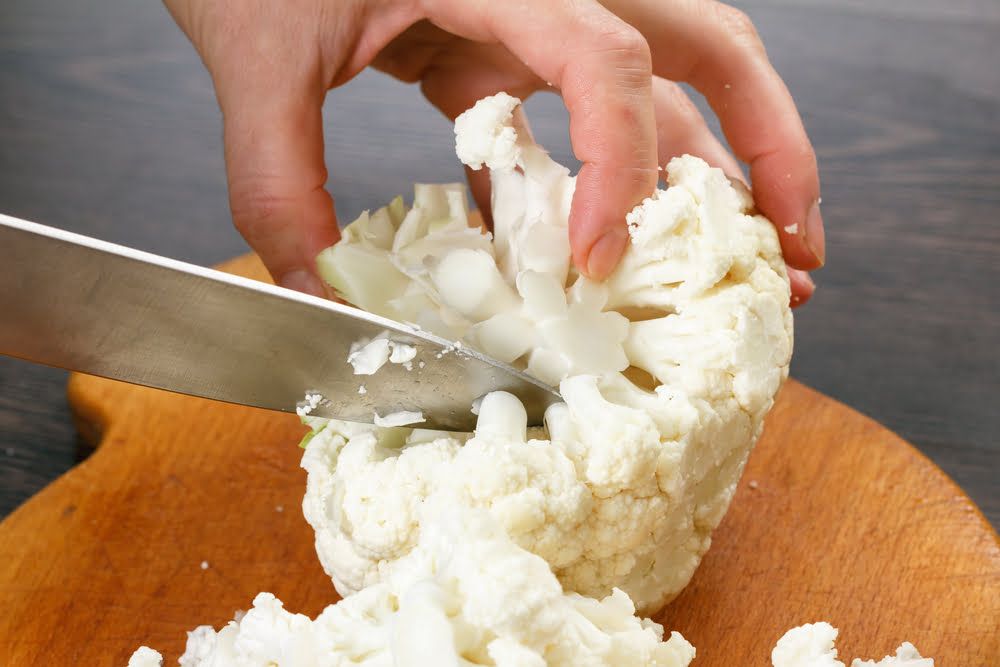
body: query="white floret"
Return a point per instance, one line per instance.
(145, 657)
(812, 645)
(809, 645)
(906, 656)
(484, 134)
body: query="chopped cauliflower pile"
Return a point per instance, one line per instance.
(454, 602)
(517, 546)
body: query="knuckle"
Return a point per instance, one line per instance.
(737, 25)
(673, 97)
(256, 208)
(630, 43)
(406, 70)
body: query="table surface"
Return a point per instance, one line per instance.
(108, 127)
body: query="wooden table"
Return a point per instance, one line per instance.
(108, 127)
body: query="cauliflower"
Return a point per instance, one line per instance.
(465, 595)
(811, 645)
(667, 371)
(521, 547)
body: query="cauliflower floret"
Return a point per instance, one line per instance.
(464, 593)
(907, 655)
(484, 135)
(145, 657)
(667, 371)
(812, 645)
(809, 645)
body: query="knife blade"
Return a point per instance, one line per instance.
(87, 305)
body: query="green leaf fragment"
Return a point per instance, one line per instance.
(306, 438)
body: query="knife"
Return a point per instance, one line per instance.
(86, 305)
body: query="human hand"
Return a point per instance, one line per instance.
(272, 64)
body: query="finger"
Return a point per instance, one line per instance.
(715, 48)
(680, 129)
(276, 173)
(802, 287)
(601, 65)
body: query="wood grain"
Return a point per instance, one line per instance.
(189, 508)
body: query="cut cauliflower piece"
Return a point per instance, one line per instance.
(145, 657)
(465, 595)
(907, 655)
(812, 645)
(667, 371)
(809, 645)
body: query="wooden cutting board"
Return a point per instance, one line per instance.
(188, 508)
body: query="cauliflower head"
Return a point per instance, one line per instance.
(521, 547)
(667, 371)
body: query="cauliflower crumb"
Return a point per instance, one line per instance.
(310, 403)
(402, 353)
(368, 356)
(792, 229)
(400, 418)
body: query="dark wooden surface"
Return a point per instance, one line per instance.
(108, 127)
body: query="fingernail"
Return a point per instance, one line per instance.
(815, 236)
(802, 285)
(301, 280)
(605, 253)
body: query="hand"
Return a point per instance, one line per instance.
(273, 62)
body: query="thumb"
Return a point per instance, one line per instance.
(277, 174)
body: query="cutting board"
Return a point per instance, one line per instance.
(188, 508)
